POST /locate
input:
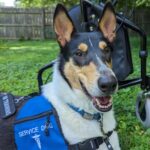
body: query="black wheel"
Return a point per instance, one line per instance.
(143, 109)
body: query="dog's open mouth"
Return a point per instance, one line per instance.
(102, 104)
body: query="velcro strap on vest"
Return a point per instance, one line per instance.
(91, 144)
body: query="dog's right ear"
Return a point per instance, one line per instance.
(63, 25)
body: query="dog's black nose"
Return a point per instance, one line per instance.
(107, 84)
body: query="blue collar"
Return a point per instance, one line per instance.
(86, 115)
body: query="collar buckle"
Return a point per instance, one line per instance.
(88, 116)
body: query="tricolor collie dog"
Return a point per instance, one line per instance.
(83, 81)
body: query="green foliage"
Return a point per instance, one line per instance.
(128, 4)
(46, 3)
(144, 3)
(20, 62)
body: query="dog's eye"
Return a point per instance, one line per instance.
(107, 49)
(107, 53)
(79, 53)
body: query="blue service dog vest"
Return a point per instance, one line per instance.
(37, 127)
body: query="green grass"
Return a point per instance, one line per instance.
(20, 62)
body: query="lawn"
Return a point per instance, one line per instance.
(21, 60)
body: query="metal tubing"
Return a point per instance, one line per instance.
(128, 83)
(40, 73)
(143, 46)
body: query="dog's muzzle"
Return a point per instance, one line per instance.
(107, 85)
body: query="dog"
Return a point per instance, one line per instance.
(83, 81)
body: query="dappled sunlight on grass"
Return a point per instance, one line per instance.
(20, 62)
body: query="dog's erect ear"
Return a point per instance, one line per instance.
(63, 25)
(107, 23)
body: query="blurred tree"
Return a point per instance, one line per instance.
(143, 3)
(46, 3)
(135, 3)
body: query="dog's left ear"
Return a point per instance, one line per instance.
(107, 23)
(63, 25)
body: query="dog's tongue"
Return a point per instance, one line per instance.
(103, 104)
(103, 100)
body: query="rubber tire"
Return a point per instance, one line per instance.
(146, 120)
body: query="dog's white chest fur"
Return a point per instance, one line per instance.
(75, 128)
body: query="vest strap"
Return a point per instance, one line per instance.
(93, 144)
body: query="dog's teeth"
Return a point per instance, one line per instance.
(97, 101)
(109, 104)
(99, 105)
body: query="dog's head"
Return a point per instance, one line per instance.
(85, 58)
